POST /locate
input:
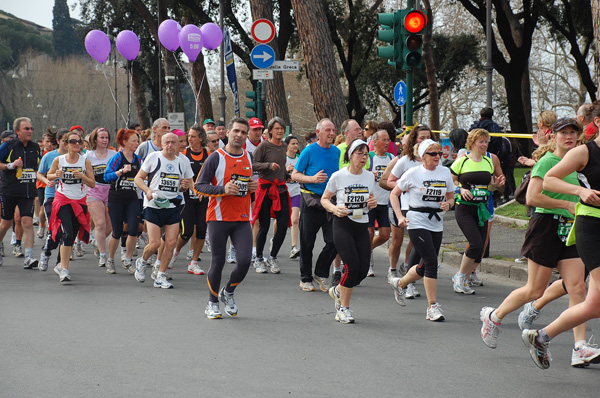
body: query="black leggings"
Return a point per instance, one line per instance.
(69, 224)
(467, 220)
(426, 246)
(587, 231)
(124, 212)
(193, 214)
(353, 244)
(241, 238)
(264, 218)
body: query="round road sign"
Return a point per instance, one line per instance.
(263, 31)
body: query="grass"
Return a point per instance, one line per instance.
(519, 171)
(514, 210)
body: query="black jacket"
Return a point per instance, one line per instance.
(24, 185)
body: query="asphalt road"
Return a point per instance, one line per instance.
(108, 335)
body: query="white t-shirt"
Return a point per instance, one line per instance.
(402, 165)
(425, 188)
(68, 185)
(353, 191)
(294, 186)
(99, 164)
(378, 165)
(250, 148)
(164, 177)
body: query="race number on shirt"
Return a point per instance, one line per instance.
(242, 183)
(27, 176)
(168, 182)
(379, 169)
(356, 197)
(68, 176)
(434, 191)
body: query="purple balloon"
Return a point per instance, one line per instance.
(190, 40)
(168, 34)
(212, 35)
(97, 44)
(128, 44)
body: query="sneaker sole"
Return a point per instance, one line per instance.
(440, 319)
(213, 316)
(111, 272)
(163, 286)
(33, 265)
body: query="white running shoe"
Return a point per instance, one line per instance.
(194, 268)
(43, 264)
(474, 280)
(459, 284)
(57, 269)
(231, 257)
(273, 265)
(411, 292)
(334, 293)
(323, 283)
(102, 261)
(539, 352)
(392, 273)
(128, 265)
(403, 269)
(227, 299)
(207, 244)
(295, 252)
(189, 255)
(489, 329)
(173, 259)
(212, 310)
(527, 316)
(343, 315)
(95, 246)
(399, 292)
(41, 233)
(584, 355)
(435, 313)
(18, 251)
(30, 263)
(307, 286)
(110, 266)
(64, 275)
(78, 249)
(370, 274)
(140, 270)
(261, 266)
(162, 282)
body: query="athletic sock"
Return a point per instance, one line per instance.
(494, 318)
(543, 337)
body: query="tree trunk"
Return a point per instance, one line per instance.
(276, 97)
(526, 90)
(434, 101)
(205, 110)
(139, 96)
(321, 70)
(596, 20)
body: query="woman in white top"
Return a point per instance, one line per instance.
(294, 191)
(353, 189)
(69, 209)
(429, 191)
(99, 155)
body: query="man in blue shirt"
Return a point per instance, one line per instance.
(316, 164)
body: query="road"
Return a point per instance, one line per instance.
(108, 335)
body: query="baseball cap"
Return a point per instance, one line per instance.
(7, 134)
(564, 122)
(255, 122)
(219, 123)
(208, 121)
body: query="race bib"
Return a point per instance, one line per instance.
(27, 176)
(242, 183)
(168, 182)
(379, 170)
(356, 198)
(434, 191)
(68, 176)
(192, 194)
(480, 193)
(127, 184)
(564, 227)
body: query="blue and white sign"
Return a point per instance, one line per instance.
(262, 56)
(229, 61)
(400, 93)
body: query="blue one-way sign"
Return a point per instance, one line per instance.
(400, 93)
(262, 56)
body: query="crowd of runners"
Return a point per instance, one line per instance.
(218, 187)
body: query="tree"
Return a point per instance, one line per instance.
(321, 70)
(64, 36)
(596, 28)
(430, 71)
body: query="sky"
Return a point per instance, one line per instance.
(38, 11)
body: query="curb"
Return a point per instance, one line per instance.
(505, 269)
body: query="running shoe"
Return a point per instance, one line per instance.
(521, 260)
(229, 302)
(128, 265)
(173, 259)
(36, 221)
(584, 355)
(474, 280)
(194, 268)
(123, 254)
(57, 269)
(64, 275)
(307, 286)
(95, 246)
(13, 239)
(140, 270)
(489, 329)
(253, 258)
(399, 292)
(135, 252)
(324, 284)
(18, 251)
(231, 257)
(334, 293)
(528, 316)
(40, 233)
(337, 277)
(411, 292)
(43, 264)
(343, 315)
(207, 244)
(273, 265)
(78, 249)
(212, 310)
(1, 249)
(30, 263)
(162, 282)
(392, 273)
(403, 269)
(371, 274)
(110, 266)
(143, 239)
(102, 261)
(189, 255)
(295, 252)
(435, 313)
(539, 351)
(459, 284)
(261, 266)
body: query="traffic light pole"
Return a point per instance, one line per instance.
(409, 83)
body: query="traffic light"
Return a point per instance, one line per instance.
(390, 33)
(414, 26)
(252, 105)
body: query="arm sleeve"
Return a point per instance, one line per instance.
(303, 161)
(110, 174)
(404, 181)
(204, 184)
(258, 159)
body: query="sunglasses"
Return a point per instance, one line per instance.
(435, 153)
(27, 128)
(214, 141)
(73, 141)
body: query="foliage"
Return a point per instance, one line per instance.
(16, 39)
(64, 35)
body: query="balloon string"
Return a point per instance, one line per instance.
(113, 97)
(196, 95)
(129, 77)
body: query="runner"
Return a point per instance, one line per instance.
(227, 179)
(294, 191)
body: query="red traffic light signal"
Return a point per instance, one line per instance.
(415, 21)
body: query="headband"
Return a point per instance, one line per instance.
(355, 144)
(423, 146)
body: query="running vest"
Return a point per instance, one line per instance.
(124, 188)
(239, 170)
(68, 185)
(197, 160)
(590, 174)
(99, 165)
(378, 164)
(474, 176)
